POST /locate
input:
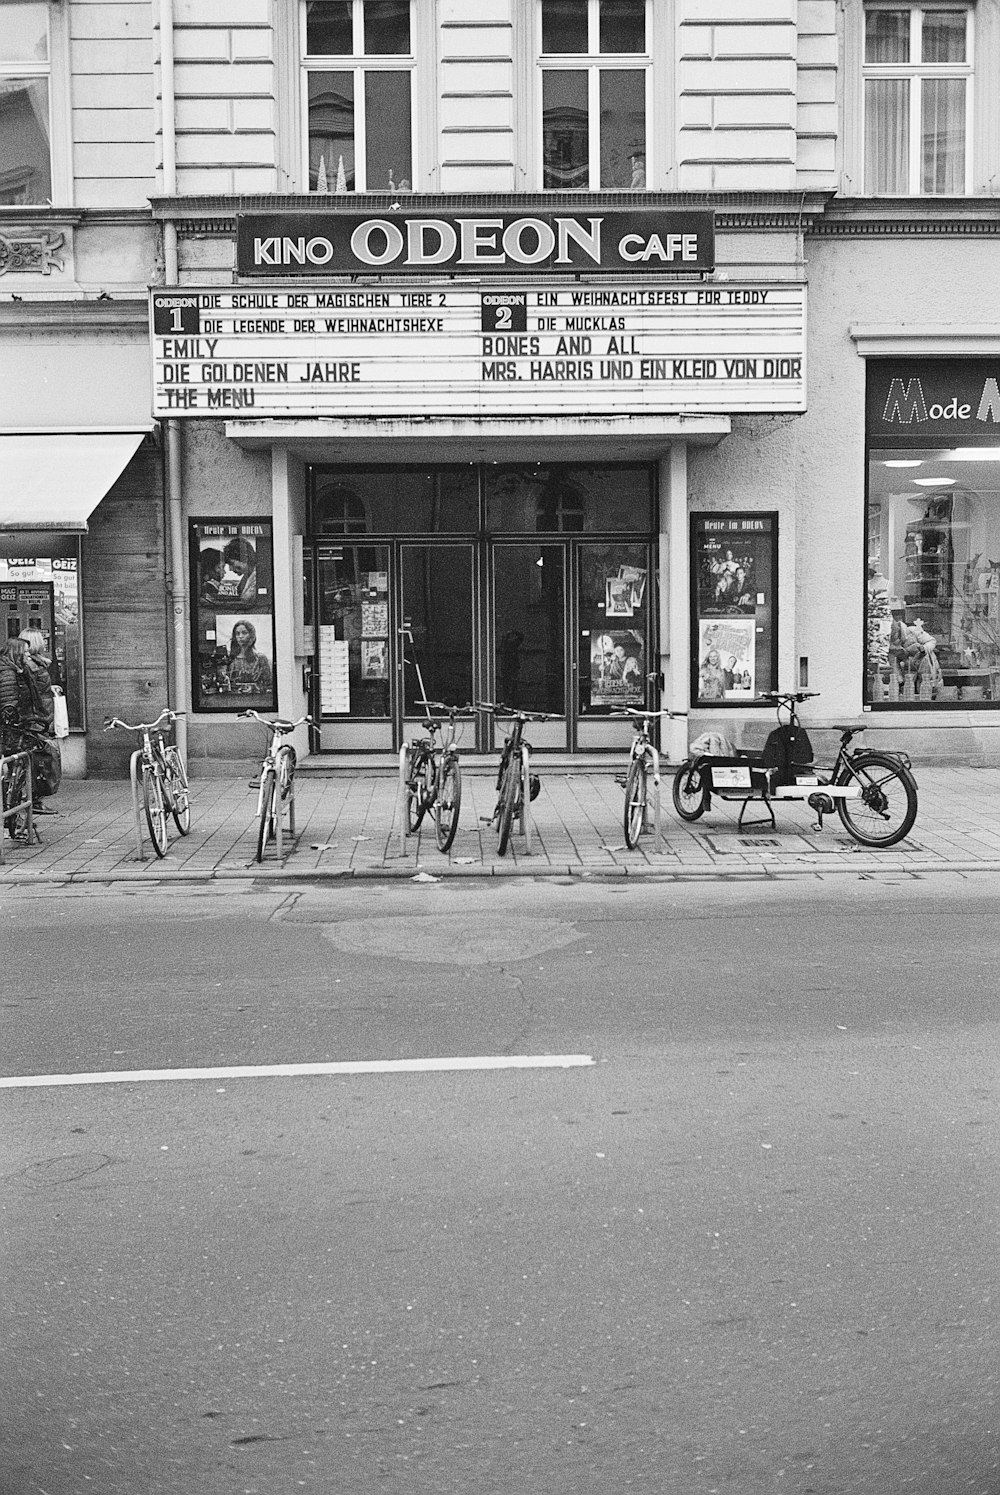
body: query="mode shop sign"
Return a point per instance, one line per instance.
(307, 244)
(931, 401)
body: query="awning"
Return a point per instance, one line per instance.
(55, 481)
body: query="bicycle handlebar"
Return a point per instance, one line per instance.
(635, 713)
(279, 727)
(788, 695)
(498, 709)
(442, 706)
(116, 721)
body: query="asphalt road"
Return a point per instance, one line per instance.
(750, 1247)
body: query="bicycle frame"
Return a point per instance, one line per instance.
(516, 747)
(271, 766)
(645, 751)
(151, 755)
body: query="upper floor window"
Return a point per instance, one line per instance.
(359, 72)
(594, 60)
(918, 87)
(25, 129)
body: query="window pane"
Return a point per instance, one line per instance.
(389, 166)
(24, 140)
(887, 117)
(565, 147)
(530, 656)
(564, 26)
(623, 129)
(943, 135)
(546, 499)
(623, 25)
(387, 28)
(887, 36)
(24, 33)
(929, 575)
(328, 28)
(331, 132)
(944, 36)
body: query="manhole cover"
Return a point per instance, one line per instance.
(449, 940)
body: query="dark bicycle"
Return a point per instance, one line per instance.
(516, 784)
(873, 790)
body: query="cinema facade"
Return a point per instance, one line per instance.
(456, 446)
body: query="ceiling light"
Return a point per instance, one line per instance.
(901, 463)
(934, 482)
(972, 454)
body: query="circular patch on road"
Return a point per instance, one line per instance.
(452, 940)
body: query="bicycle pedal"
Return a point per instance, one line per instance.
(486, 819)
(535, 786)
(253, 783)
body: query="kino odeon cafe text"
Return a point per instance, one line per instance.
(346, 243)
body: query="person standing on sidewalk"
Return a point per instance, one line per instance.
(38, 717)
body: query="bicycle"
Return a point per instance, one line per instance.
(276, 781)
(16, 796)
(431, 775)
(873, 790)
(164, 779)
(644, 764)
(516, 784)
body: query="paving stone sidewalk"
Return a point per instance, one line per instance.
(348, 826)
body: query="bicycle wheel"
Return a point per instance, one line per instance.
(888, 805)
(180, 797)
(635, 802)
(285, 761)
(507, 804)
(266, 811)
(156, 813)
(688, 792)
(419, 787)
(15, 792)
(447, 803)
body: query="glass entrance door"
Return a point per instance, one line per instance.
(438, 628)
(612, 638)
(530, 634)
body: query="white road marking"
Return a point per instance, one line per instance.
(292, 1071)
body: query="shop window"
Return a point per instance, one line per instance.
(25, 126)
(233, 664)
(917, 78)
(932, 627)
(43, 593)
(594, 61)
(359, 67)
(734, 576)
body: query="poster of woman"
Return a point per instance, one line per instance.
(726, 659)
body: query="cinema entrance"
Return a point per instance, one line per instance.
(529, 584)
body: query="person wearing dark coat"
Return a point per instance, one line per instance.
(16, 707)
(41, 718)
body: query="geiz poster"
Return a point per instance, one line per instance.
(233, 615)
(734, 561)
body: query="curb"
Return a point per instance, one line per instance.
(744, 872)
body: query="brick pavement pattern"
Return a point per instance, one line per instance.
(348, 825)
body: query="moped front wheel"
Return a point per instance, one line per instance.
(689, 792)
(886, 809)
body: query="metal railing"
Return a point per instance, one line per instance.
(23, 806)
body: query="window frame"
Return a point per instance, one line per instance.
(917, 72)
(358, 63)
(594, 63)
(55, 70)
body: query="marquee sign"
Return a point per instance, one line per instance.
(311, 245)
(450, 349)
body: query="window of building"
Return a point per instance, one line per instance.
(594, 59)
(25, 125)
(359, 68)
(932, 635)
(917, 99)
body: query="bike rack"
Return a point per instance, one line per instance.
(133, 773)
(401, 798)
(25, 804)
(526, 817)
(657, 821)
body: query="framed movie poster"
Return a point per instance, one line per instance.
(232, 613)
(734, 576)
